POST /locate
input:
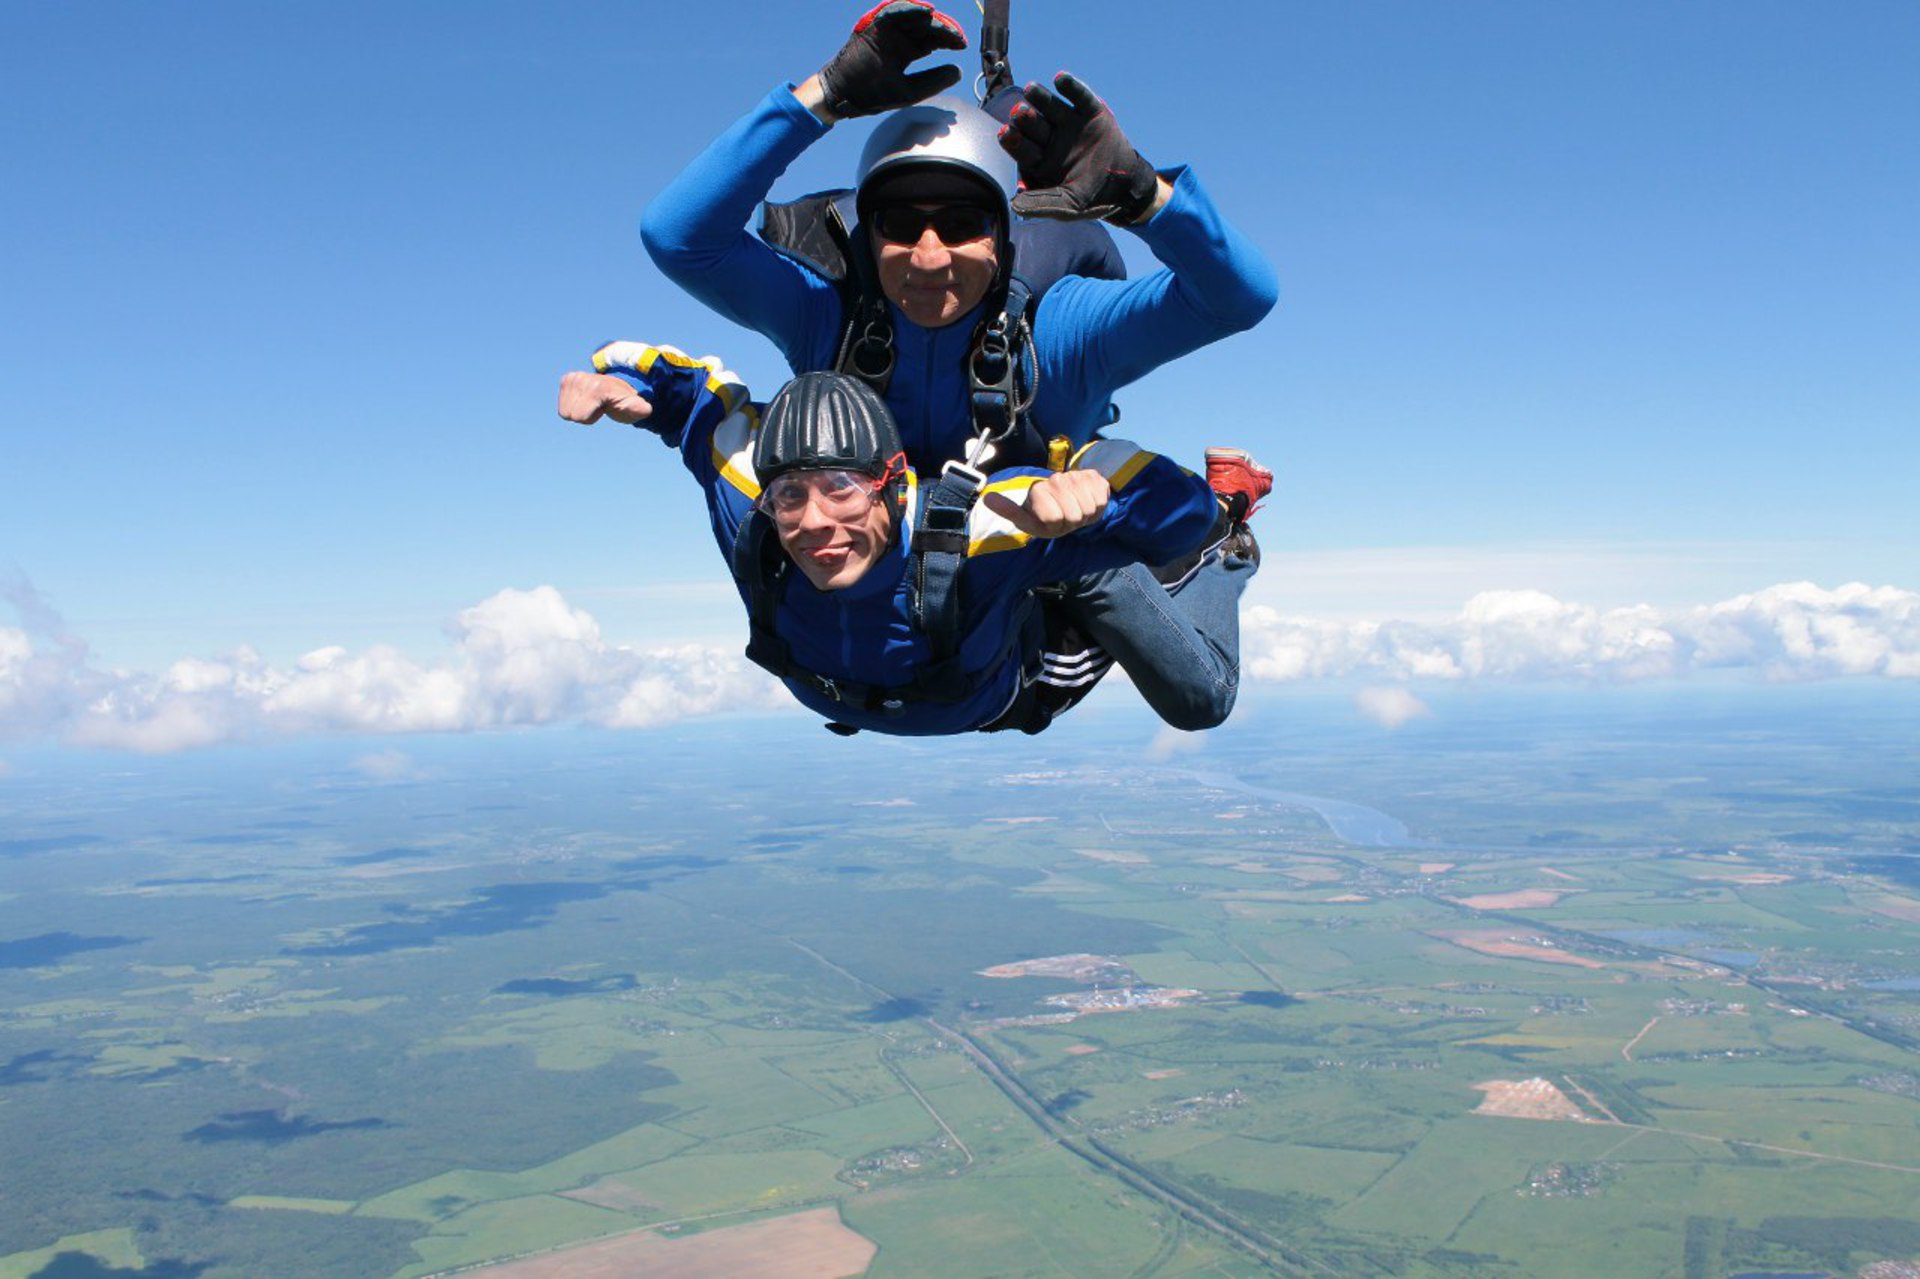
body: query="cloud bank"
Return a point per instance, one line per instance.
(519, 658)
(528, 657)
(1789, 632)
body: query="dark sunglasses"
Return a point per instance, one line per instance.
(953, 223)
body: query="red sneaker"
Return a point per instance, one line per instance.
(1232, 473)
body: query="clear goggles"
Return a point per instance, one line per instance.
(840, 493)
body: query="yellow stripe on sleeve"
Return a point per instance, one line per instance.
(1134, 465)
(1118, 476)
(987, 532)
(733, 450)
(638, 357)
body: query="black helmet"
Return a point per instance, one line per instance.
(826, 420)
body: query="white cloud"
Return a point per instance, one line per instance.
(1792, 631)
(519, 658)
(1389, 706)
(1170, 741)
(1427, 583)
(1799, 630)
(529, 657)
(386, 766)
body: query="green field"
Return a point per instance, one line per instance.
(274, 1021)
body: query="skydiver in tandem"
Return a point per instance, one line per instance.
(970, 322)
(897, 604)
(909, 283)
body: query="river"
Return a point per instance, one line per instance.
(1350, 823)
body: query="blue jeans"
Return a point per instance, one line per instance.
(1180, 648)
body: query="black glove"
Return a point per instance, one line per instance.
(869, 74)
(1074, 161)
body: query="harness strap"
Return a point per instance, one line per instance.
(866, 347)
(1002, 372)
(1002, 379)
(939, 553)
(761, 566)
(995, 74)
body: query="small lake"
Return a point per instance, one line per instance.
(80, 1265)
(272, 1127)
(1732, 959)
(48, 949)
(1267, 999)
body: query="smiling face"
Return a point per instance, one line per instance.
(831, 539)
(933, 282)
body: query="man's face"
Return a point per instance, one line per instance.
(831, 533)
(935, 279)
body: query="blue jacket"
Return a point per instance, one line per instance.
(862, 634)
(1091, 337)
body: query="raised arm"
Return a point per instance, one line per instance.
(1097, 335)
(696, 229)
(695, 405)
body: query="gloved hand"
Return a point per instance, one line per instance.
(869, 74)
(1075, 164)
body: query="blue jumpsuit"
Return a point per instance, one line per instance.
(1091, 337)
(863, 633)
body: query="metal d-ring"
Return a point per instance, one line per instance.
(986, 77)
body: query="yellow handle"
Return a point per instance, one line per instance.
(1058, 450)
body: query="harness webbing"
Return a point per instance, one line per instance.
(995, 22)
(939, 553)
(1002, 375)
(1002, 368)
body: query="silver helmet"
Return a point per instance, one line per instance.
(945, 148)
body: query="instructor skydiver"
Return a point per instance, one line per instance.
(875, 611)
(931, 259)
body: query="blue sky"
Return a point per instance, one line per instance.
(1614, 304)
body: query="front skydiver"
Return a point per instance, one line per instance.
(927, 290)
(929, 633)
